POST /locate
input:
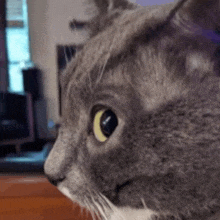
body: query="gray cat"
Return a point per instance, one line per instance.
(140, 134)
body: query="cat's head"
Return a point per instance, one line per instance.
(141, 113)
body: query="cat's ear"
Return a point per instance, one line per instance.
(199, 15)
(199, 21)
(98, 14)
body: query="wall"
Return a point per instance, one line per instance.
(49, 26)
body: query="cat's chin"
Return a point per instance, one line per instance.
(116, 213)
(65, 192)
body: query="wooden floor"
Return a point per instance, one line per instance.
(34, 198)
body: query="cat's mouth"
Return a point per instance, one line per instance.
(128, 187)
(114, 194)
(132, 191)
(118, 188)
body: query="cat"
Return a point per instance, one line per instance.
(140, 132)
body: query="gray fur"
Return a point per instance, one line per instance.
(158, 70)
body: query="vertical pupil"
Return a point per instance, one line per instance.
(108, 123)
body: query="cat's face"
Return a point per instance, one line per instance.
(141, 114)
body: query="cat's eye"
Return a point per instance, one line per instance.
(104, 124)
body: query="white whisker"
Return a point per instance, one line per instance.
(106, 61)
(100, 209)
(93, 215)
(143, 203)
(66, 57)
(103, 69)
(87, 204)
(81, 210)
(110, 205)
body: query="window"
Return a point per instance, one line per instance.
(17, 40)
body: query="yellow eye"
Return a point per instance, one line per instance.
(104, 124)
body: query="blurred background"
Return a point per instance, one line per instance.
(37, 39)
(36, 42)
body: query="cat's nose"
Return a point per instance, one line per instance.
(55, 180)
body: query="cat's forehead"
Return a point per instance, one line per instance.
(107, 47)
(118, 57)
(102, 84)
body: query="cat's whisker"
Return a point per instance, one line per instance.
(98, 216)
(100, 209)
(86, 207)
(81, 207)
(86, 210)
(87, 204)
(110, 205)
(103, 69)
(90, 209)
(93, 215)
(106, 61)
(94, 203)
(143, 203)
(90, 83)
(66, 57)
(87, 213)
(93, 207)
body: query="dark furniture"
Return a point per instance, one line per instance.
(16, 119)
